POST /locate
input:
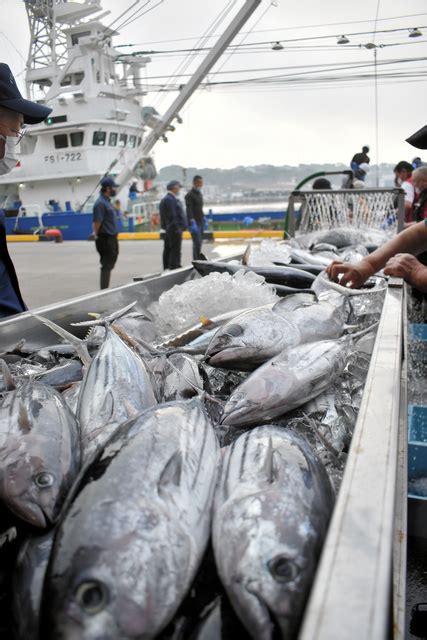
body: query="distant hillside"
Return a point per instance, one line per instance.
(263, 176)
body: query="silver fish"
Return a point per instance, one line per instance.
(258, 335)
(39, 452)
(71, 396)
(271, 513)
(128, 549)
(116, 387)
(181, 378)
(286, 381)
(27, 587)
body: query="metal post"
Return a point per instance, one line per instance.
(400, 210)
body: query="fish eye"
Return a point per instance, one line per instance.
(283, 569)
(234, 330)
(44, 480)
(92, 596)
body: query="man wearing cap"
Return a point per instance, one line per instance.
(397, 256)
(105, 230)
(14, 113)
(173, 222)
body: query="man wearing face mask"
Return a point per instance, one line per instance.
(105, 230)
(14, 113)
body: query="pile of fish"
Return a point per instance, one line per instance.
(180, 487)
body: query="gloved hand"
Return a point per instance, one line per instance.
(193, 226)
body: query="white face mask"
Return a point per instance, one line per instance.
(8, 162)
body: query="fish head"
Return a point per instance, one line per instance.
(269, 577)
(108, 586)
(246, 341)
(31, 487)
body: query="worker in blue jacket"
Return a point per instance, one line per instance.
(173, 222)
(15, 112)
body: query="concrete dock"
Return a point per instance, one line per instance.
(50, 272)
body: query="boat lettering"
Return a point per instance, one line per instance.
(63, 157)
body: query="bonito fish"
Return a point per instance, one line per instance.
(39, 452)
(286, 381)
(260, 334)
(271, 513)
(117, 386)
(129, 547)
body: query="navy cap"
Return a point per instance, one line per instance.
(419, 138)
(108, 182)
(173, 183)
(10, 98)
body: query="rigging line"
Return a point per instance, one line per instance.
(189, 59)
(119, 17)
(244, 37)
(308, 26)
(138, 13)
(377, 177)
(137, 17)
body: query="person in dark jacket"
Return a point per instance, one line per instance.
(195, 217)
(173, 222)
(360, 158)
(105, 230)
(14, 113)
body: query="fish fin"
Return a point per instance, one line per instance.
(94, 315)
(8, 536)
(245, 258)
(108, 319)
(269, 466)
(7, 376)
(24, 422)
(78, 344)
(171, 474)
(131, 410)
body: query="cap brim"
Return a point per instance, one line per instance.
(419, 138)
(32, 111)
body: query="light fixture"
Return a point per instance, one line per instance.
(415, 33)
(277, 46)
(343, 40)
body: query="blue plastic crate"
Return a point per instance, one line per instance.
(417, 441)
(418, 332)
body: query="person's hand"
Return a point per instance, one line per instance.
(352, 274)
(193, 226)
(404, 265)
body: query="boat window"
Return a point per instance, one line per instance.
(76, 138)
(99, 138)
(139, 141)
(60, 141)
(112, 140)
(123, 139)
(132, 142)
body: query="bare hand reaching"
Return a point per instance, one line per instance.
(353, 275)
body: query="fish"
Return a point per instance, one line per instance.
(271, 513)
(321, 258)
(311, 268)
(39, 452)
(116, 387)
(71, 396)
(62, 375)
(287, 381)
(27, 584)
(286, 275)
(129, 546)
(181, 378)
(262, 333)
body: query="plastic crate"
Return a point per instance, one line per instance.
(418, 332)
(417, 441)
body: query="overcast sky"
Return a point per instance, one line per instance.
(280, 123)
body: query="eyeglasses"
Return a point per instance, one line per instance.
(19, 134)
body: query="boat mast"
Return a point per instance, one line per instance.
(48, 51)
(187, 91)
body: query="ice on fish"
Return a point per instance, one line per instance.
(183, 305)
(269, 252)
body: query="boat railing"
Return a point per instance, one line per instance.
(143, 211)
(30, 210)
